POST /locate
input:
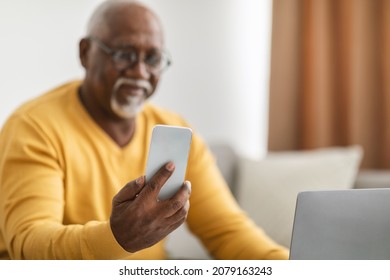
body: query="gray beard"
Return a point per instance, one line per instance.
(134, 105)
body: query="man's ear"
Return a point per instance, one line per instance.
(83, 51)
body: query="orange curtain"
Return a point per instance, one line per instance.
(330, 76)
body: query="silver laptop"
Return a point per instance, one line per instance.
(342, 225)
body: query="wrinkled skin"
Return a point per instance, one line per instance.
(139, 220)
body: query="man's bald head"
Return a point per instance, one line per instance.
(112, 13)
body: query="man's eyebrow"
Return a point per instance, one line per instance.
(124, 46)
(127, 46)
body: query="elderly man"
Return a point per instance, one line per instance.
(72, 161)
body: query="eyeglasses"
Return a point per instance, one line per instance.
(156, 61)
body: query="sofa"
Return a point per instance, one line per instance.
(266, 188)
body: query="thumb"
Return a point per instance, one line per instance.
(130, 191)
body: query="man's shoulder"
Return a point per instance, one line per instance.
(48, 102)
(157, 114)
(47, 110)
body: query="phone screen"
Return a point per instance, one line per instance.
(169, 143)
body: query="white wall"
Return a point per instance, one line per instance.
(220, 48)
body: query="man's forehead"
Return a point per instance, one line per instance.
(129, 21)
(142, 21)
(123, 14)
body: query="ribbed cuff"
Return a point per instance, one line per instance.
(101, 244)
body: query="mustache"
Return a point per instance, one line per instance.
(146, 85)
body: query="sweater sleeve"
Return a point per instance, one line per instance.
(32, 201)
(225, 230)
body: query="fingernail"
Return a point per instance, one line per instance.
(188, 183)
(140, 180)
(170, 166)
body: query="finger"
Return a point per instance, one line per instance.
(187, 187)
(177, 224)
(179, 215)
(130, 191)
(179, 202)
(160, 178)
(183, 194)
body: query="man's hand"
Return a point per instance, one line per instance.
(139, 220)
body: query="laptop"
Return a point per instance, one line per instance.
(349, 224)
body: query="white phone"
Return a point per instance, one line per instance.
(169, 143)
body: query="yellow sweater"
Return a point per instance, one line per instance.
(59, 172)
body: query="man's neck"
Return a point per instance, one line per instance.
(121, 131)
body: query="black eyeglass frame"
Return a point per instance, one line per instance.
(116, 56)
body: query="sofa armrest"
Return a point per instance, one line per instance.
(371, 178)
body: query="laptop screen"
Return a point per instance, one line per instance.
(343, 224)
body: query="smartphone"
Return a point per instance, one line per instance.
(169, 143)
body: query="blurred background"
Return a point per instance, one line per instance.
(257, 75)
(330, 77)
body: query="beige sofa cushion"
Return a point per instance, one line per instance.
(267, 188)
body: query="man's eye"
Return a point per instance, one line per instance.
(128, 56)
(153, 59)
